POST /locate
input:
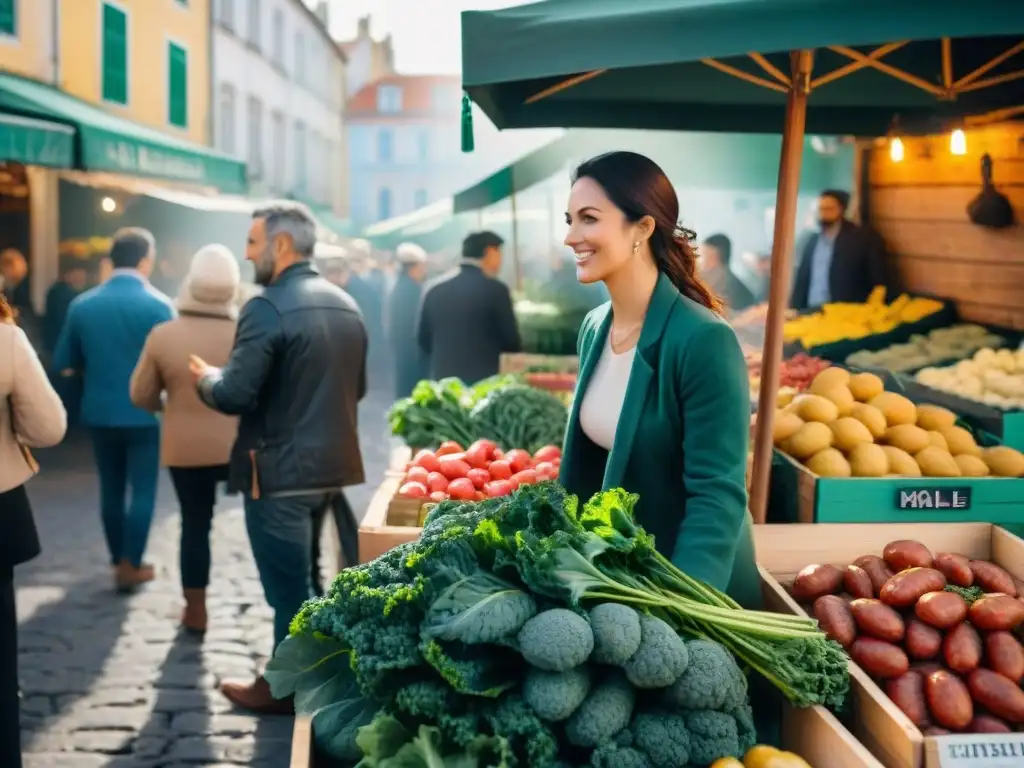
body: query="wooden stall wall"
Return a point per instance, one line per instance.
(919, 205)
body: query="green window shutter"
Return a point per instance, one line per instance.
(177, 85)
(9, 17)
(115, 55)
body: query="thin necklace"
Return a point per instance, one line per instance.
(624, 339)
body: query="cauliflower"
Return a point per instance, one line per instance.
(616, 633)
(712, 735)
(556, 695)
(661, 657)
(556, 640)
(663, 737)
(606, 711)
(711, 680)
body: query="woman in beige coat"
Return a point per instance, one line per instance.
(31, 416)
(195, 441)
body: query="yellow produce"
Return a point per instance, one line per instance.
(935, 462)
(785, 426)
(848, 433)
(758, 754)
(786, 760)
(1004, 461)
(829, 463)
(785, 396)
(959, 441)
(871, 418)
(868, 460)
(865, 386)
(994, 377)
(942, 344)
(934, 417)
(938, 440)
(841, 321)
(808, 440)
(901, 463)
(896, 408)
(814, 408)
(727, 762)
(971, 466)
(907, 437)
(841, 396)
(828, 378)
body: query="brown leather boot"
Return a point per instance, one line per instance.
(256, 697)
(193, 618)
(128, 577)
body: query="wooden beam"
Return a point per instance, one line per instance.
(991, 82)
(970, 77)
(565, 84)
(855, 66)
(895, 72)
(770, 68)
(947, 63)
(745, 76)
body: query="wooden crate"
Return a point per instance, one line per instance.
(879, 499)
(302, 744)
(783, 550)
(520, 362)
(398, 459)
(379, 531)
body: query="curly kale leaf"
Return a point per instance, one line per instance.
(386, 743)
(480, 608)
(474, 670)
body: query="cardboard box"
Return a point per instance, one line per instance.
(897, 499)
(783, 550)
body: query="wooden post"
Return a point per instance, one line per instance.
(781, 275)
(515, 245)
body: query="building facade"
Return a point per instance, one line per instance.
(279, 90)
(367, 59)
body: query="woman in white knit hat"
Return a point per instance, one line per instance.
(196, 441)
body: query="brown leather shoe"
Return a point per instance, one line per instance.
(128, 577)
(193, 618)
(256, 697)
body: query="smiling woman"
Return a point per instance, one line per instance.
(662, 406)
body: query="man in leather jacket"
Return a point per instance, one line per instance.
(295, 378)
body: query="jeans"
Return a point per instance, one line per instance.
(10, 704)
(127, 456)
(281, 534)
(196, 489)
(348, 534)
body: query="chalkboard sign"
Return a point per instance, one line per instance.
(933, 498)
(977, 751)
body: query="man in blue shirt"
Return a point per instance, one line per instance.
(101, 341)
(843, 262)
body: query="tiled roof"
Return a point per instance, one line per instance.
(417, 94)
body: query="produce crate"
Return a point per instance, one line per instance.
(398, 459)
(838, 351)
(783, 550)
(888, 499)
(520, 362)
(302, 744)
(385, 527)
(1008, 426)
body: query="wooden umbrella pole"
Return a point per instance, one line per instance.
(515, 244)
(778, 292)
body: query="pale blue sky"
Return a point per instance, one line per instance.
(426, 33)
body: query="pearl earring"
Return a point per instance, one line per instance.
(636, 247)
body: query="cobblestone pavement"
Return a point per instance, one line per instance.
(107, 680)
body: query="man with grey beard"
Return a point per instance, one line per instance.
(295, 377)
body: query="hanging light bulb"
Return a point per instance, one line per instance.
(896, 149)
(958, 142)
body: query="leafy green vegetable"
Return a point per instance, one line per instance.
(969, 594)
(521, 417)
(386, 743)
(480, 608)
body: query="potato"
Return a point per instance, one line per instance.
(785, 426)
(906, 553)
(941, 610)
(866, 386)
(901, 463)
(1005, 655)
(996, 613)
(828, 378)
(808, 440)
(907, 437)
(962, 648)
(870, 417)
(848, 433)
(868, 460)
(988, 724)
(905, 588)
(925, 668)
(879, 658)
(828, 462)
(991, 578)
(896, 408)
(949, 700)
(877, 619)
(956, 568)
(907, 693)
(816, 580)
(1004, 461)
(814, 408)
(835, 619)
(998, 695)
(921, 641)
(857, 582)
(934, 417)
(959, 441)
(876, 569)
(935, 462)
(971, 466)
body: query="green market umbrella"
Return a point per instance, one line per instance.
(748, 65)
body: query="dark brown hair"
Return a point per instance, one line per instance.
(6, 313)
(638, 188)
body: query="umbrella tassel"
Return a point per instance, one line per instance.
(467, 124)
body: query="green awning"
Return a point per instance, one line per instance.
(439, 212)
(530, 169)
(36, 142)
(694, 64)
(109, 143)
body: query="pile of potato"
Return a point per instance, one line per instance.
(938, 631)
(849, 426)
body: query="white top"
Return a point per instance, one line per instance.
(606, 391)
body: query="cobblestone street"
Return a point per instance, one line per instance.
(107, 680)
